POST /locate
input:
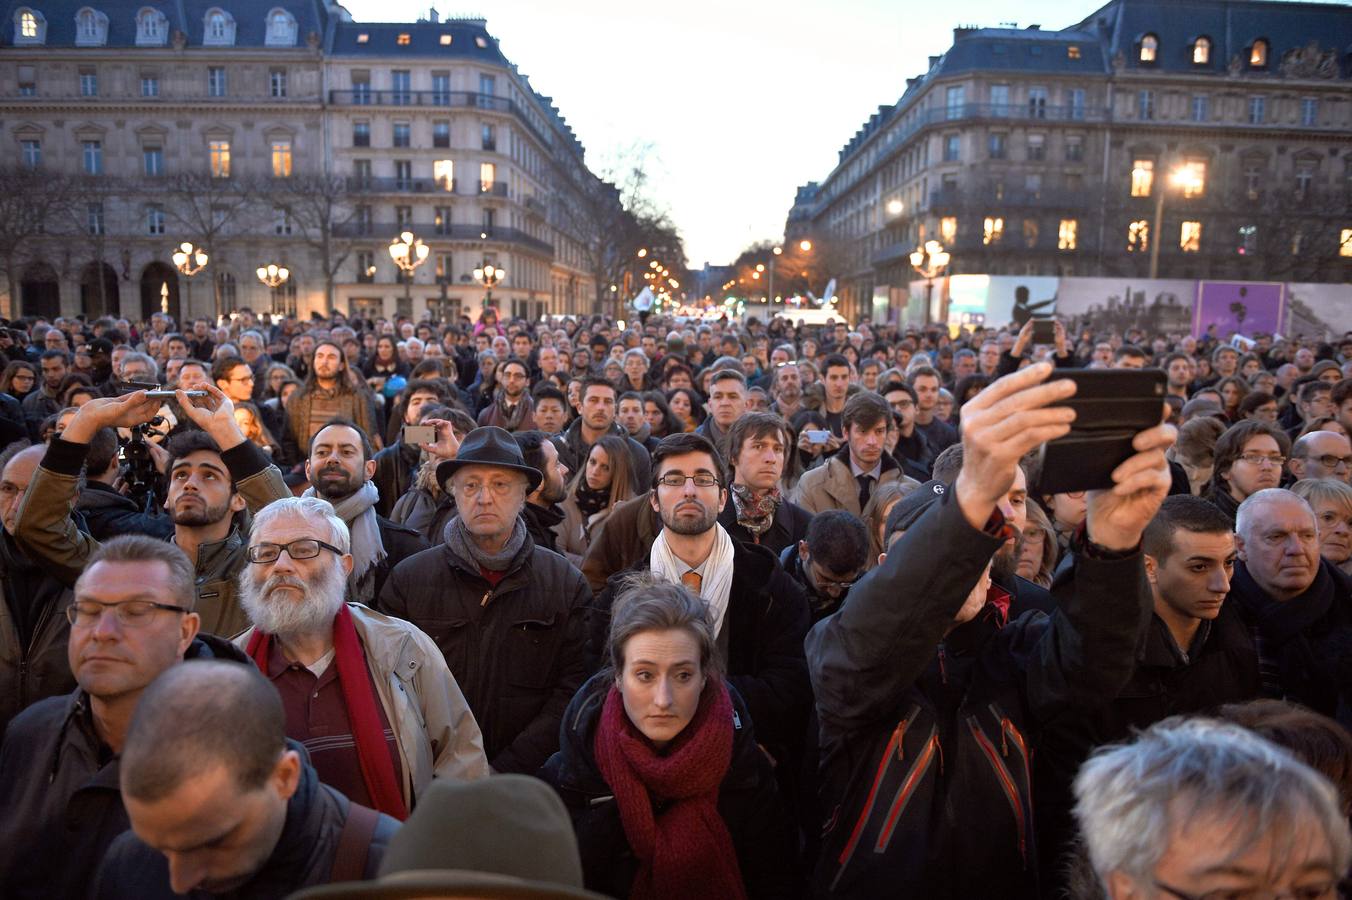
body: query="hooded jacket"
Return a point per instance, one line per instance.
(60, 795)
(748, 802)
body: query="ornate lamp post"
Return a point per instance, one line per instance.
(190, 260)
(930, 261)
(273, 276)
(489, 276)
(408, 252)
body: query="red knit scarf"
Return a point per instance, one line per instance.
(373, 753)
(684, 850)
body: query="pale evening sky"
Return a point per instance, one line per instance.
(741, 100)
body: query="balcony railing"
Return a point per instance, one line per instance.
(430, 230)
(439, 100)
(397, 185)
(989, 198)
(493, 188)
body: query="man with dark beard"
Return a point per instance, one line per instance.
(213, 474)
(511, 407)
(340, 467)
(329, 393)
(1023, 594)
(541, 512)
(370, 697)
(760, 613)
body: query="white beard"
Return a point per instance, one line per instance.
(282, 616)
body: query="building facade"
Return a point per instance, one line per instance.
(284, 134)
(1220, 129)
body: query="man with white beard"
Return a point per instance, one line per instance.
(369, 696)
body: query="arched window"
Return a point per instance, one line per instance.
(281, 30)
(1258, 54)
(152, 28)
(218, 28)
(1150, 48)
(30, 27)
(91, 28)
(1201, 51)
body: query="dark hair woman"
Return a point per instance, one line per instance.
(603, 482)
(385, 362)
(19, 379)
(661, 420)
(669, 795)
(687, 406)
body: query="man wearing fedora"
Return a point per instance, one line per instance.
(509, 616)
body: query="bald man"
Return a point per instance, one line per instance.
(1322, 454)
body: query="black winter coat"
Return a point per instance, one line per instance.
(766, 621)
(748, 802)
(540, 522)
(396, 472)
(400, 543)
(518, 650)
(60, 803)
(303, 856)
(787, 529)
(925, 754)
(108, 513)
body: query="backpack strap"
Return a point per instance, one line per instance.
(354, 844)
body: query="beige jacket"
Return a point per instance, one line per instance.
(572, 538)
(432, 724)
(831, 485)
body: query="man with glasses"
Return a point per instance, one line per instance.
(131, 619)
(760, 613)
(828, 560)
(912, 449)
(509, 615)
(235, 378)
(369, 696)
(1322, 454)
(511, 407)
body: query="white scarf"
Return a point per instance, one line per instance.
(717, 583)
(358, 511)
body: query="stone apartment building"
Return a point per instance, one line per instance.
(283, 133)
(1034, 152)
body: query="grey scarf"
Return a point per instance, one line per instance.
(358, 511)
(464, 548)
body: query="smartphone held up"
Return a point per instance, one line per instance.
(1111, 407)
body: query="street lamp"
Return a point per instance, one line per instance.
(489, 276)
(930, 261)
(190, 260)
(1185, 177)
(273, 275)
(408, 252)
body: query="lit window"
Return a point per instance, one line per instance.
(1193, 178)
(1190, 237)
(1201, 51)
(488, 175)
(1138, 236)
(219, 154)
(481, 43)
(948, 229)
(1142, 177)
(281, 159)
(1258, 54)
(992, 230)
(1072, 52)
(1030, 233)
(28, 25)
(443, 173)
(1345, 242)
(363, 38)
(1066, 234)
(403, 40)
(1150, 48)
(445, 40)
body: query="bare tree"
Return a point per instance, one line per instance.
(33, 203)
(319, 207)
(206, 209)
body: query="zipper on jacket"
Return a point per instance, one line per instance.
(907, 789)
(1006, 782)
(1010, 731)
(484, 600)
(943, 670)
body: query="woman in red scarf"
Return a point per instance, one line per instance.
(669, 794)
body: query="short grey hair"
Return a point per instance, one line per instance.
(1248, 513)
(149, 362)
(310, 508)
(1132, 798)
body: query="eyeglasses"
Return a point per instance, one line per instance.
(827, 584)
(1261, 459)
(1307, 892)
(1329, 461)
(248, 377)
(676, 479)
(132, 613)
(305, 548)
(470, 489)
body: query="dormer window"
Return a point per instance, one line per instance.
(1201, 51)
(152, 28)
(1150, 49)
(403, 39)
(1258, 54)
(91, 28)
(218, 28)
(30, 27)
(481, 42)
(281, 29)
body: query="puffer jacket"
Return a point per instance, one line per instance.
(748, 802)
(517, 650)
(433, 727)
(39, 668)
(59, 793)
(924, 732)
(302, 857)
(47, 531)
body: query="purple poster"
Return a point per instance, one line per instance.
(1238, 307)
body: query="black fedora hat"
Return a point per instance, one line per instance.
(489, 445)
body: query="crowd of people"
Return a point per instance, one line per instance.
(587, 608)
